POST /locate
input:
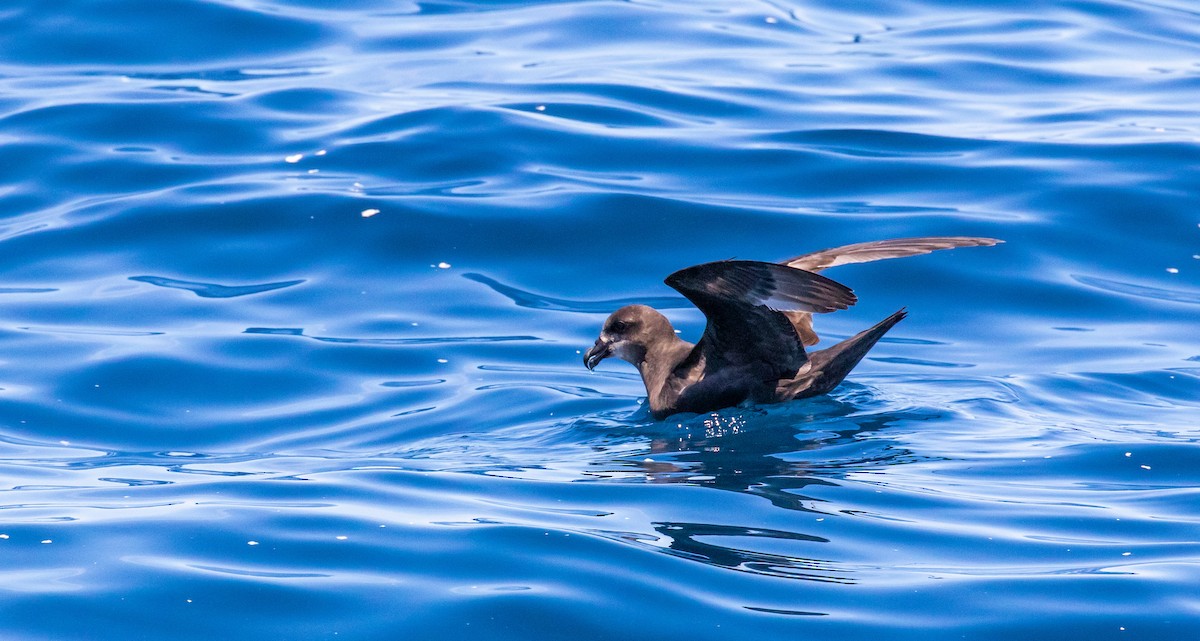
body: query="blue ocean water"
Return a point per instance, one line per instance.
(293, 296)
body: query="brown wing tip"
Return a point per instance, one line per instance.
(978, 241)
(950, 242)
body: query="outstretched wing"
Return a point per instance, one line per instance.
(744, 303)
(882, 249)
(866, 252)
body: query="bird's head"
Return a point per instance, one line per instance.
(628, 334)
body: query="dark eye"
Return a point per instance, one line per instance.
(620, 326)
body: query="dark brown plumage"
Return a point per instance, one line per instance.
(759, 321)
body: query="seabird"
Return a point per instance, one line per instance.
(759, 322)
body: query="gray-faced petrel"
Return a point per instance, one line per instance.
(759, 322)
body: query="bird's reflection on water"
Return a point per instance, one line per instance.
(777, 453)
(793, 455)
(773, 451)
(730, 547)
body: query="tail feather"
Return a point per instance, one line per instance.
(827, 368)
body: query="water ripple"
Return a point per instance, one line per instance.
(1140, 291)
(537, 301)
(425, 340)
(1018, 459)
(211, 290)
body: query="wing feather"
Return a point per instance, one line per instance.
(867, 252)
(757, 284)
(883, 249)
(745, 303)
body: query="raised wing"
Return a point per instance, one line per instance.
(883, 249)
(867, 252)
(744, 300)
(758, 284)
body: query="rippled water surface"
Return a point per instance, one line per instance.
(293, 296)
